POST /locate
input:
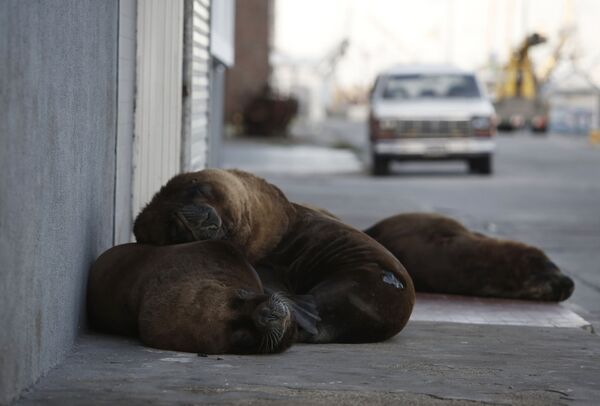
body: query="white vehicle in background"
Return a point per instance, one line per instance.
(430, 112)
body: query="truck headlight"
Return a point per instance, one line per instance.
(481, 123)
(387, 125)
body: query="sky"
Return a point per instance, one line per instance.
(466, 33)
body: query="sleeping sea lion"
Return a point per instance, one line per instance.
(199, 297)
(216, 204)
(442, 256)
(353, 288)
(361, 292)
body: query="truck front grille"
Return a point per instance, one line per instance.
(432, 128)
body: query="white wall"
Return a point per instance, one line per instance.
(157, 145)
(196, 78)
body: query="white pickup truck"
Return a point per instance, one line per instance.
(430, 112)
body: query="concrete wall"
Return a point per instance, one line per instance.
(57, 162)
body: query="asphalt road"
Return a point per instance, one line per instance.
(545, 191)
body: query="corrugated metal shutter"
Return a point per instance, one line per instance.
(157, 144)
(197, 62)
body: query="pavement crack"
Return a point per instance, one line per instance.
(557, 391)
(479, 402)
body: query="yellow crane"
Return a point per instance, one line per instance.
(519, 101)
(517, 92)
(519, 75)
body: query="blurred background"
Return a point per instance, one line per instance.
(321, 59)
(487, 111)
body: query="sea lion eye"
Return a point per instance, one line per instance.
(194, 191)
(198, 190)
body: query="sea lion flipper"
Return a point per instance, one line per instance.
(305, 312)
(303, 307)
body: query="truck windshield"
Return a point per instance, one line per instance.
(428, 86)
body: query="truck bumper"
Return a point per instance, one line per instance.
(434, 148)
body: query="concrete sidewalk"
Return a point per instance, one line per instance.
(292, 159)
(428, 363)
(455, 351)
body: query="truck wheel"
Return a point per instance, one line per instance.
(380, 166)
(481, 165)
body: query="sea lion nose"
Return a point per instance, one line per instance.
(564, 287)
(201, 220)
(195, 214)
(267, 316)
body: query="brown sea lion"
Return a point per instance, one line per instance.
(216, 204)
(442, 256)
(361, 292)
(353, 288)
(198, 297)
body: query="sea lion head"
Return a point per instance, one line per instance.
(531, 275)
(184, 210)
(542, 279)
(216, 204)
(201, 297)
(263, 323)
(208, 316)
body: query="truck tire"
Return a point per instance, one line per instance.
(381, 166)
(481, 165)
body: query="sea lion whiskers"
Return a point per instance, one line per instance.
(270, 340)
(275, 335)
(280, 309)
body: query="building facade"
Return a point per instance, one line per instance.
(252, 69)
(101, 102)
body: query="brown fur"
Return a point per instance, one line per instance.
(196, 297)
(307, 251)
(253, 213)
(443, 256)
(345, 272)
